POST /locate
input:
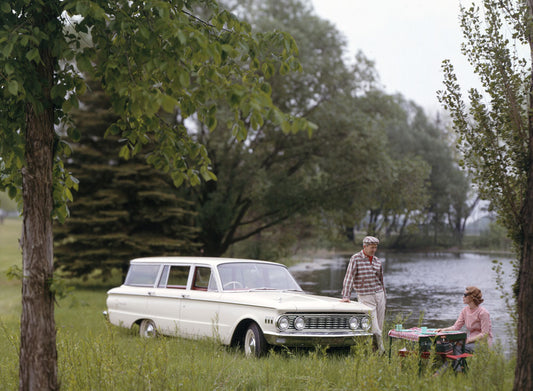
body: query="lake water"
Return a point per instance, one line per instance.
(418, 285)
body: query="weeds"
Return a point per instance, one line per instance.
(96, 356)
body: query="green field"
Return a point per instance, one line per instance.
(94, 355)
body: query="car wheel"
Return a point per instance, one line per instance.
(255, 343)
(147, 329)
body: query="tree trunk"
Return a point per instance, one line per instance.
(38, 354)
(524, 361)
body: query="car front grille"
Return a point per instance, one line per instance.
(324, 321)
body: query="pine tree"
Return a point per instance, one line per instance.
(123, 209)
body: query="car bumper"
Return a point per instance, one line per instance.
(313, 339)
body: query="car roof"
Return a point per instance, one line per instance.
(212, 261)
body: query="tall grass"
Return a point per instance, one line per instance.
(94, 355)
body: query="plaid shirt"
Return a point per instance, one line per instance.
(363, 275)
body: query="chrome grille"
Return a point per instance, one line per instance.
(324, 321)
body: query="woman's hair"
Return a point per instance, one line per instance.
(475, 294)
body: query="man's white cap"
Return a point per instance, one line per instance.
(370, 240)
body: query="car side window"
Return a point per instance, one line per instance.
(177, 277)
(142, 275)
(202, 278)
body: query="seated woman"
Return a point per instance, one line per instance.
(477, 322)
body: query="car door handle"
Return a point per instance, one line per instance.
(185, 296)
(151, 293)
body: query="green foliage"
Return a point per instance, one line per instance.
(493, 239)
(124, 208)
(151, 57)
(493, 130)
(209, 56)
(14, 272)
(506, 295)
(495, 134)
(59, 287)
(426, 189)
(31, 37)
(277, 179)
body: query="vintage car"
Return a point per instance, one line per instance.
(247, 303)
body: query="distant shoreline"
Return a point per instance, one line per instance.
(325, 253)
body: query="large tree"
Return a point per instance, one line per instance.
(122, 208)
(274, 179)
(496, 137)
(424, 186)
(149, 56)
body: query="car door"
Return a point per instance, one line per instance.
(130, 302)
(164, 301)
(200, 306)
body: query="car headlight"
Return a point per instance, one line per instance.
(365, 323)
(299, 323)
(282, 323)
(354, 323)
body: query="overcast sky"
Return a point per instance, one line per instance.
(407, 40)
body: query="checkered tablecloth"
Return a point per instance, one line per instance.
(414, 333)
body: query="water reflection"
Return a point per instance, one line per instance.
(422, 285)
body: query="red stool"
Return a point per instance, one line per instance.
(460, 358)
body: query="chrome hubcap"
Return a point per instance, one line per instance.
(150, 330)
(250, 342)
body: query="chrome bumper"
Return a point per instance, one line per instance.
(313, 339)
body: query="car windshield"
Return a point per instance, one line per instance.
(239, 276)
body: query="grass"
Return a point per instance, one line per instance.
(93, 355)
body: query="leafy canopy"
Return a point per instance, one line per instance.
(493, 130)
(151, 57)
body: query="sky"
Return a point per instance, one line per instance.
(407, 40)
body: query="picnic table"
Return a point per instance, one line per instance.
(425, 338)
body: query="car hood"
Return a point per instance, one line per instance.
(294, 301)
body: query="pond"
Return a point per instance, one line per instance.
(423, 286)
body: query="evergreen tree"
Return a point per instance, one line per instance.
(123, 209)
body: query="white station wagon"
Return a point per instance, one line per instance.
(240, 302)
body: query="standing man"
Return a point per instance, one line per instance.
(365, 275)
